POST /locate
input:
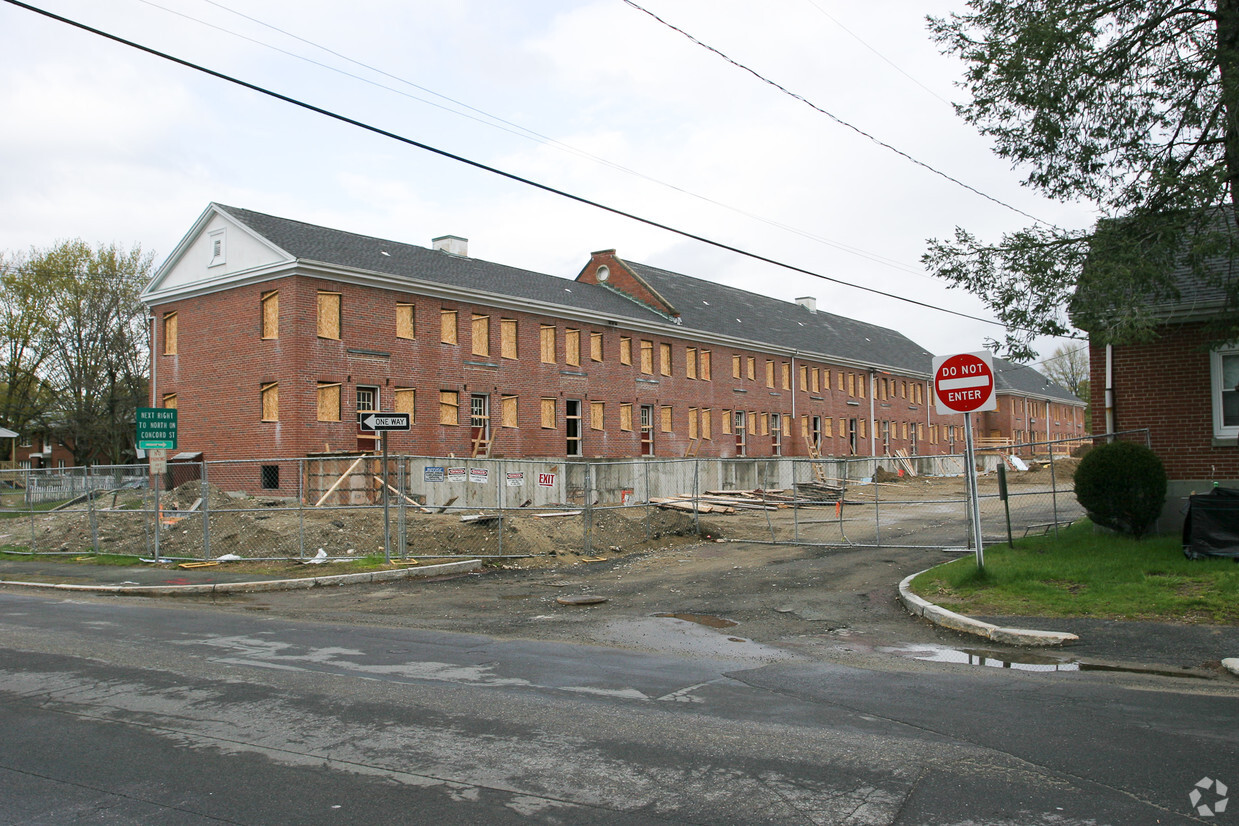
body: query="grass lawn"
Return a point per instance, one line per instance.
(1085, 574)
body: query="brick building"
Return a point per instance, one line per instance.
(274, 337)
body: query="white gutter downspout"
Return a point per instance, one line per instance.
(1109, 400)
(873, 424)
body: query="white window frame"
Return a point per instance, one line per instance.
(1220, 429)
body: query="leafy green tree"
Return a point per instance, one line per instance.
(24, 328)
(1131, 106)
(86, 350)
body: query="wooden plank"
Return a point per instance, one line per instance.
(339, 481)
(560, 513)
(446, 504)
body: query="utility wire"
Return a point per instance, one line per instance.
(834, 117)
(496, 122)
(487, 168)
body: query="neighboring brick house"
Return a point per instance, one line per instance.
(1182, 386)
(273, 335)
(41, 451)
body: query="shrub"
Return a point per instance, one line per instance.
(1122, 486)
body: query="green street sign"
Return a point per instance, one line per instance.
(156, 428)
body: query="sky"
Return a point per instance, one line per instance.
(596, 98)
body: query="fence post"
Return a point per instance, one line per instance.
(94, 517)
(30, 504)
(649, 507)
(589, 509)
(1054, 491)
(301, 493)
(501, 480)
(401, 511)
(697, 496)
(206, 513)
(877, 516)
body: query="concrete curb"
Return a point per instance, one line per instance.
(255, 586)
(958, 622)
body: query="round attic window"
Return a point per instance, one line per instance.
(603, 273)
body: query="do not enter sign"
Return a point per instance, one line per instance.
(964, 383)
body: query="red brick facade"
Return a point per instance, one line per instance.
(222, 364)
(1164, 385)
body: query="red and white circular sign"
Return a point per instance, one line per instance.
(964, 383)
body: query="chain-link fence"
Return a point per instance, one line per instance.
(341, 506)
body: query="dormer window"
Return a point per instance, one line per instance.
(218, 248)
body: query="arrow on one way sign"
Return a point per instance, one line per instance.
(385, 421)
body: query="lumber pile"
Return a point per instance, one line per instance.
(688, 504)
(819, 491)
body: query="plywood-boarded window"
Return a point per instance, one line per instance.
(572, 348)
(919, 397)
(169, 401)
(692, 423)
(449, 407)
(404, 399)
(597, 415)
(665, 417)
(625, 416)
(787, 425)
(548, 414)
(904, 431)
(751, 365)
(861, 381)
(826, 424)
(770, 374)
(862, 424)
(647, 357)
(169, 334)
(765, 424)
(271, 314)
(787, 376)
(546, 338)
(507, 411)
(447, 326)
(814, 381)
(839, 383)
(726, 420)
(705, 423)
(804, 427)
(752, 420)
(625, 350)
(735, 367)
(595, 347)
(690, 362)
(406, 326)
(328, 401)
(851, 384)
(507, 338)
(481, 335)
(664, 359)
(270, 394)
(704, 371)
(329, 315)
(804, 378)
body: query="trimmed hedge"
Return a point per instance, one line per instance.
(1122, 486)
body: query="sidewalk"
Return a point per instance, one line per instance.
(170, 580)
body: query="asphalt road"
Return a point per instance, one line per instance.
(119, 710)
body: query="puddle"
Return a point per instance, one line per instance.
(1025, 661)
(708, 620)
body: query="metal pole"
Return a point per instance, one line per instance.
(155, 485)
(877, 511)
(589, 509)
(501, 480)
(697, 496)
(206, 514)
(1054, 490)
(401, 511)
(973, 502)
(304, 470)
(386, 512)
(94, 517)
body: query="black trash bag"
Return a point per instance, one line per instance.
(1212, 525)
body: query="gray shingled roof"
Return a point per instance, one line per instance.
(729, 311)
(704, 306)
(1020, 378)
(312, 243)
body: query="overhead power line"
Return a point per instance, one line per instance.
(832, 116)
(495, 122)
(486, 167)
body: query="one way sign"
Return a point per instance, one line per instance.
(385, 421)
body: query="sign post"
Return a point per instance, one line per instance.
(384, 422)
(156, 432)
(964, 383)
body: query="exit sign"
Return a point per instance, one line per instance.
(156, 428)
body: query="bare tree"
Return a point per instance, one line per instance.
(1068, 367)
